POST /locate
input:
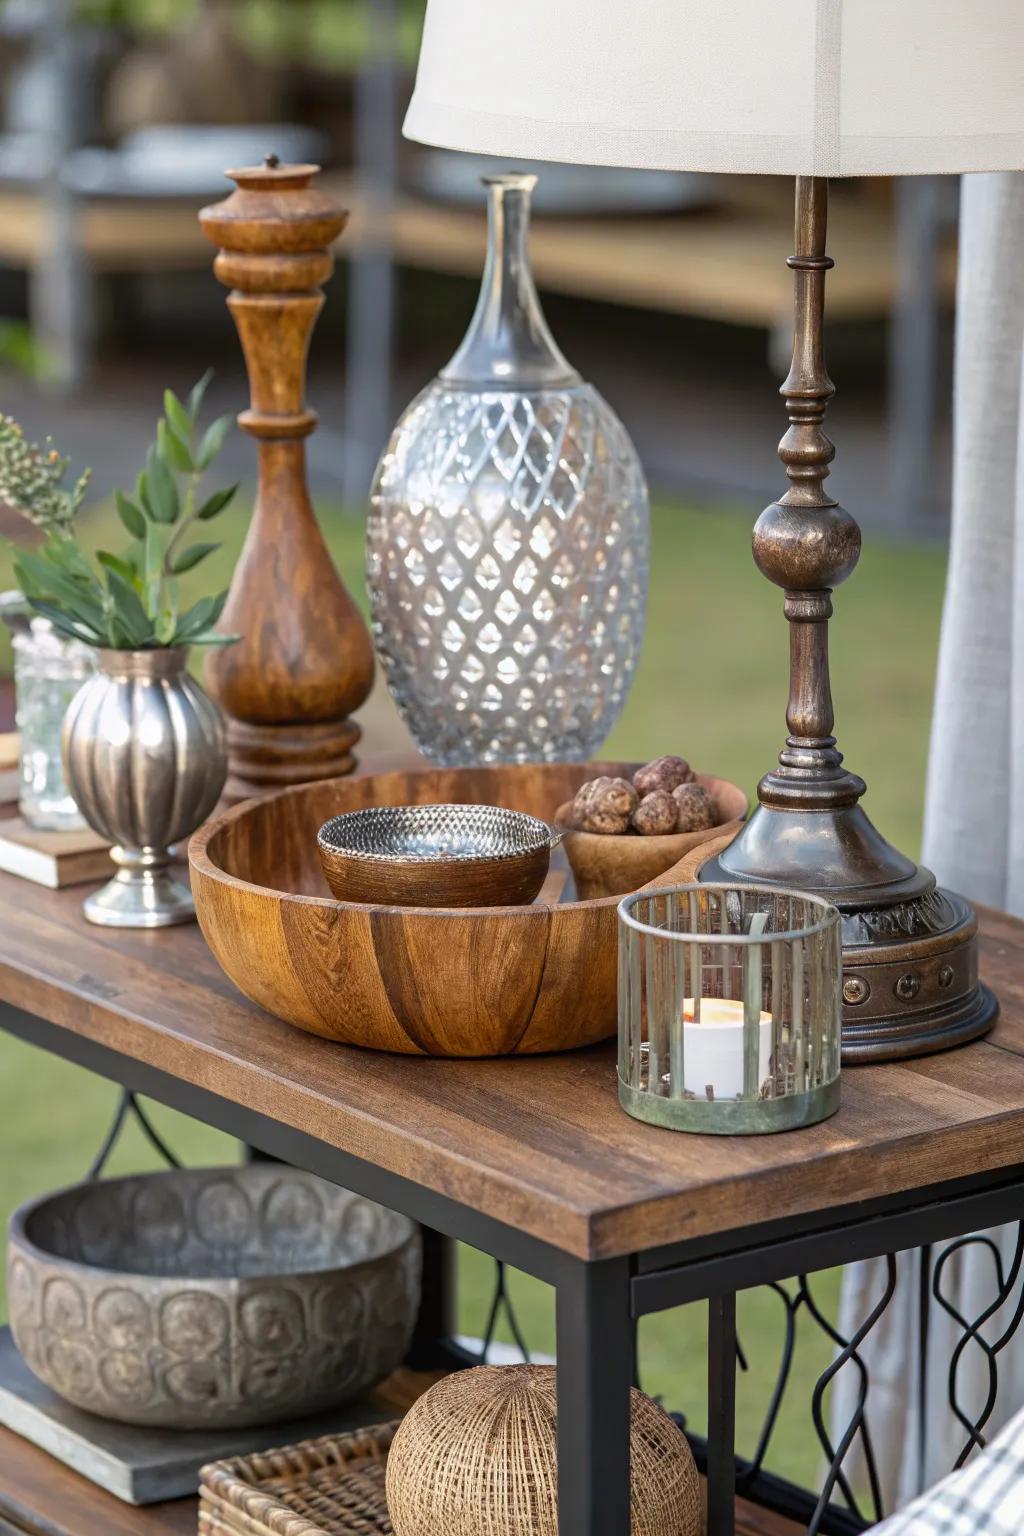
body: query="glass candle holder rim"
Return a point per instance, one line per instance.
(831, 918)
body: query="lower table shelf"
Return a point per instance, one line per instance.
(41, 1497)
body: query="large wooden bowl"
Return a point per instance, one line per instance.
(481, 982)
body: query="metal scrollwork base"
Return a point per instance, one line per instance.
(501, 1301)
(972, 1338)
(852, 1495)
(128, 1106)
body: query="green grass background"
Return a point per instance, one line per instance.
(712, 685)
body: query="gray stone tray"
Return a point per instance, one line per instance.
(142, 1466)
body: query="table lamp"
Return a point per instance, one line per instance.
(810, 89)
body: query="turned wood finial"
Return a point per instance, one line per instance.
(305, 660)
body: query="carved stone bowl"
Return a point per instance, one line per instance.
(195, 1299)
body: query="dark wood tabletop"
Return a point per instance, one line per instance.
(539, 1143)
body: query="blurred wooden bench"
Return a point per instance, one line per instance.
(725, 263)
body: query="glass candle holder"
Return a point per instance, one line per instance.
(48, 672)
(729, 1008)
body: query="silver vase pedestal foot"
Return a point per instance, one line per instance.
(143, 894)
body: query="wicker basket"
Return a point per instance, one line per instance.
(328, 1487)
(335, 1486)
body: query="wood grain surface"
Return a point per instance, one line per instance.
(442, 981)
(42, 1497)
(539, 1142)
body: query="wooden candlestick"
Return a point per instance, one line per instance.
(305, 660)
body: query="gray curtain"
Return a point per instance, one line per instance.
(974, 814)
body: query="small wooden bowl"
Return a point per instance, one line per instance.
(436, 855)
(608, 865)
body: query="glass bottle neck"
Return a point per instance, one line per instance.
(508, 344)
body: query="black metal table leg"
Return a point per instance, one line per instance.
(924, 1305)
(432, 1341)
(721, 1468)
(595, 1372)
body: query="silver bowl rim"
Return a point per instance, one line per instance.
(545, 836)
(17, 1234)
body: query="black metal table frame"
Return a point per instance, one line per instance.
(600, 1301)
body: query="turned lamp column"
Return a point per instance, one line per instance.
(806, 543)
(305, 660)
(910, 974)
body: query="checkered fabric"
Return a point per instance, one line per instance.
(985, 1498)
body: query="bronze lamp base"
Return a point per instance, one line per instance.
(910, 963)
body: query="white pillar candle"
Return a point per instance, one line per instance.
(713, 1047)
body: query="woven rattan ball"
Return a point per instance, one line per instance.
(476, 1456)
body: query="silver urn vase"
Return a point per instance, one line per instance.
(507, 548)
(145, 758)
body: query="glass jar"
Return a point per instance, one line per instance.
(730, 1008)
(507, 543)
(48, 672)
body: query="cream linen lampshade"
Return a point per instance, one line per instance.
(785, 87)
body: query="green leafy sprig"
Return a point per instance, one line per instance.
(129, 600)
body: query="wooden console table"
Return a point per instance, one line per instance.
(532, 1160)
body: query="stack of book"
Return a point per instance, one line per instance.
(54, 859)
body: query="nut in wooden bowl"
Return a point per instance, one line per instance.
(436, 855)
(615, 863)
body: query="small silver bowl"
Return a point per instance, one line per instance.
(436, 855)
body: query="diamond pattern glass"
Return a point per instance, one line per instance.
(508, 537)
(507, 564)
